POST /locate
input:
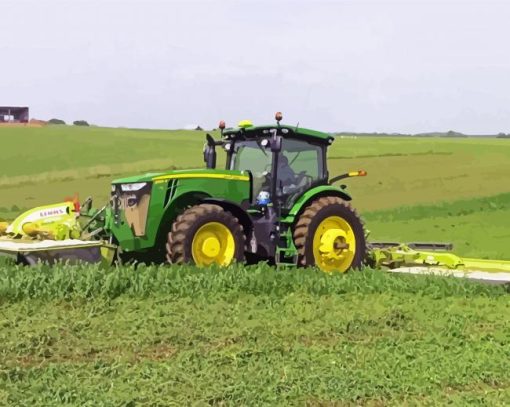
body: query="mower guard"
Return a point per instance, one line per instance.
(432, 256)
(31, 252)
(492, 277)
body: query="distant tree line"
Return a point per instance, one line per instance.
(451, 133)
(56, 121)
(62, 122)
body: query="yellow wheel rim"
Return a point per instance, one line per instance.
(334, 245)
(213, 243)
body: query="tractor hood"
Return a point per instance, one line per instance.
(137, 178)
(141, 205)
(182, 174)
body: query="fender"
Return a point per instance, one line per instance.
(235, 209)
(314, 193)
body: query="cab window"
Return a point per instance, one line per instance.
(303, 159)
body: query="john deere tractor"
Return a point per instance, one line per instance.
(273, 201)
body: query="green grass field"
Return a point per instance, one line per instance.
(181, 336)
(160, 336)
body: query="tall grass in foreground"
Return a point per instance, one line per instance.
(181, 336)
(90, 281)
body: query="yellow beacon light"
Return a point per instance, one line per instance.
(245, 123)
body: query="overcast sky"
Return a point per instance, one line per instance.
(403, 66)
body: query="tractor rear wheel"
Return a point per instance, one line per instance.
(204, 235)
(330, 235)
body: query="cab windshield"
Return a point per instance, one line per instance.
(251, 155)
(300, 164)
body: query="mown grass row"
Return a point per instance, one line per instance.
(457, 208)
(99, 171)
(90, 281)
(476, 227)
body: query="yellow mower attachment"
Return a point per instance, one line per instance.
(51, 234)
(51, 222)
(438, 255)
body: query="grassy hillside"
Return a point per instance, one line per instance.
(477, 227)
(44, 165)
(179, 336)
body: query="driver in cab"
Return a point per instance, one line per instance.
(285, 174)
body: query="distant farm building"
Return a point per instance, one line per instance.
(14, 114)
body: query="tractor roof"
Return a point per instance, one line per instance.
(256, 131)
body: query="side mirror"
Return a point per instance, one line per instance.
(210, 152)
(210, 156)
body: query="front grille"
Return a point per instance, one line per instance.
(135, 207)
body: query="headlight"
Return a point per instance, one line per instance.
(132, 187)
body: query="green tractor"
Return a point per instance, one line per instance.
(274, 202)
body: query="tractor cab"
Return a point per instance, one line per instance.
(273, 202)
(284, 161)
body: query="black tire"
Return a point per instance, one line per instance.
(311, 218)
(187, 224)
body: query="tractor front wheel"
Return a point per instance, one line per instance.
(330, 235)
(205, 235)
